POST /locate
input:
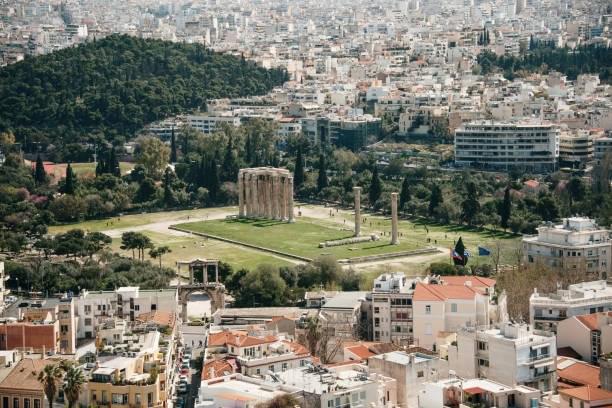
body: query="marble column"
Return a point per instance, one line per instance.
(283, 197)
(241, 194)
(269, 213)
(394, 237)
(275, 198)
(254, 197)
(357, 194)
(290, 199)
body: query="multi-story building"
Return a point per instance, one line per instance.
(209, 123)
(411, 370)
(477, 392)
(447, 308)
(502, 146)
(124, 303)
(392, 308)
(342, 314)
(588, 335)
(21, 388)
(3, 278)
(514, 354)
(578, 244)
(602, 146)
(547, 310)
(576, 147)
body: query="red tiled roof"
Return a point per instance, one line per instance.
(216, 368)
(587, 393)
(442, 292)
(238, 339)
(475, 281)
(590, 321)
(578, 373)
(361, 351)
(474, 390)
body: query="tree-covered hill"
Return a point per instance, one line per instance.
(114, 86)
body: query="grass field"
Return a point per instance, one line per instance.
(187, 248)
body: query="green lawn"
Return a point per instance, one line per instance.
(187, 248)
(300, 238)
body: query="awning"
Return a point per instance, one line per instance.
(544, 364)
(538, 346)
(474, 390)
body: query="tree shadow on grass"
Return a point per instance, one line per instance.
(256, 223)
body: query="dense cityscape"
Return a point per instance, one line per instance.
(296, 203)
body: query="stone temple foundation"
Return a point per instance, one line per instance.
(265, 192)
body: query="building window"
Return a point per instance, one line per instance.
(5, 402)
(482, 345)
(284, 367)
(420, 374)
(137, 399)
(571, 402)
(271, 367)
(36, 403)
(15, 402)
(87, 322)
(377, 310)
(427, 309)
(453, 308)
(137, 308)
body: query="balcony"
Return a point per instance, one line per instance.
(549, 318)
(539, 357)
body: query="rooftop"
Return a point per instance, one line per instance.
(25, 375)
(345, 300)
(400, 357)
(587, 393)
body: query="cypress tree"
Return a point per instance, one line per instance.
(69, 182)
(230, 166)
(322, 178)
(40, 175)
(168, 193)
(505, 208)
(173, 155)
(460, 250)
(375, 187)
(213, 180)
(298, 173)
(404, 193)
(435, 199)
(113, 164)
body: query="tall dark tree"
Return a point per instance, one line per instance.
(173, 155)
(40, 175)
(213, 179)
(376, 188)
(70, 181)
(298, 172)
(575, 191)
(460, 258)
(113, 164)
(470, 206)
(404, 196)
(505, 208)
(230, 163)
(435, 199)
(169, 198)
(322, 178)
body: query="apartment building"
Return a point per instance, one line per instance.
(411, 370)
(124, 303)
(391, 299)
(479, 392)
(502, 146)
(446, 308)
(513, 354)
(602, 146)
(588, 335)
(257, 355)
(342, 314)
(21, 388)
(547, 310)
(577, 244)
(209, 123)
(576, 147)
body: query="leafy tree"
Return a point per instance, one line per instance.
(375, 190)
(298, 172)
(322, 181)
(435, 199)
(261, 287)
(213, 183)
(547, 208)
(505, 208)
(470, 206)
(49, 378)
(153, 155)
(169, 198)
(230, 162)
(280, 401)
(73, 384)
(146, 191)
(404, 196)
(575, 191)
(159, 252)
(40, 175)
(70, 181)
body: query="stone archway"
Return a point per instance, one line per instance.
(215, 291)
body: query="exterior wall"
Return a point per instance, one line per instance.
(572, 333)
(24, 335)
(68, 326)
(428, 324)
(101, 394)
(36, 398)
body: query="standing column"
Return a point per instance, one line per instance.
(357, 194)
(269, 196)
(247, 194)
(190, 274)
(241, 194)
(216, 272)
(275, 196)
(290, 199)
(283, 197)
(253, 184)
(394, 238)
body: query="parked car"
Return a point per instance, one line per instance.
(182, 388)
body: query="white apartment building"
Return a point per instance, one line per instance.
(480, 392)
(576, 147)
(497, 145)
(447, 308)
(513, 354)
(411, 370)
(577, 244)
(92, 308)
(547, 310)
(392, 308)
(208, 123)
(601, 147)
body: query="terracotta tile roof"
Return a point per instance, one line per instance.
(361, 351)
(159, 317)
(297, 348)
(237, 339)
(587, 393)
(432, 292)
(25, 375)
(216, 368)
(475, 281)
(577, 373)
(590, 321)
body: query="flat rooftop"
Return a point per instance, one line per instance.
(403, 358)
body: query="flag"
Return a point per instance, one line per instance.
(482, 251)
(455, 255)
(466, 253)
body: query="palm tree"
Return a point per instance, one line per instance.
(159, 252)
(49, 378)
(73, 383)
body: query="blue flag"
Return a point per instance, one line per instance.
(482, 251)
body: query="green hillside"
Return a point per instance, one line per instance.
(110, 88)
